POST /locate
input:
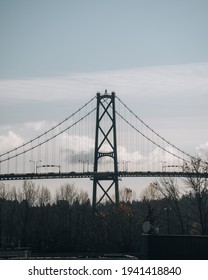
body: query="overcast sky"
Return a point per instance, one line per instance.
(58, 37)
(55, 56)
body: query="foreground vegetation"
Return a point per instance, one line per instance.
(29, 217)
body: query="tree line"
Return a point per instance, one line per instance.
(30, 218)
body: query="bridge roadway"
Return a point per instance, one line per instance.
(99, 175)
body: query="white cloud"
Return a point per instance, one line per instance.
(9, 141)
(12, 136)
(76, 143)
(161, 81)
(185, 87)
(203, 150)
(37, 126)
(69, 149)
(125, 156)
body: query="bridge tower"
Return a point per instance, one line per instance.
(105, 146)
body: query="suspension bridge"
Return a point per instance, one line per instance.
(104, 140)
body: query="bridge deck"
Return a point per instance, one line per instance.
(99, 175)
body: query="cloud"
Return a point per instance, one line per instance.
(10, 141)
(12, 136)
(37, 126)
(177, 93)
(202, 150)
(75, 148)
(171, 99)
(160, 81)
(23, 131)
(73, 151)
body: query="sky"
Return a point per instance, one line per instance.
(55, 56)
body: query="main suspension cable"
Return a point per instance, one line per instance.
(162, 138)
(150, 139)
(46, 132)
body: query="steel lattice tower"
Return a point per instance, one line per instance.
(105, 146)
